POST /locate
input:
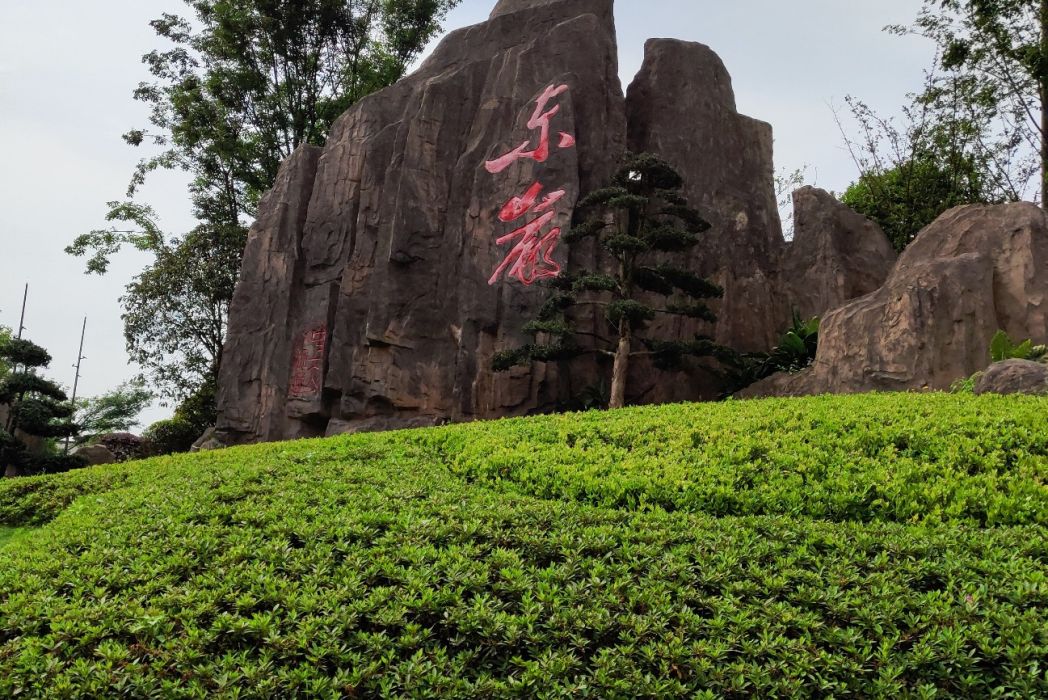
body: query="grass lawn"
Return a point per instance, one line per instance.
(868, 546)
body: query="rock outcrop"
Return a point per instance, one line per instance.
(365, 300)
(386, 269)
(972, 272)
(1014, 377)
(836, 255)
(95, 455)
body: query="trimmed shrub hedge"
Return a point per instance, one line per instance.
(399, 565)
(932, 458)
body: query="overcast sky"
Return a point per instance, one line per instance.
(67, 70)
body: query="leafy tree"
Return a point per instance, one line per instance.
(37, 408)
(644, 223)
(175, 311)
(994, 58)
(240, 86)
(114, 411)
(912, 194)
(245, 82)
(5, 336)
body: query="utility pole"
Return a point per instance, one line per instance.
(21, 321)
(76, 380)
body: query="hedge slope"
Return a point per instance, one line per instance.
(409, 564)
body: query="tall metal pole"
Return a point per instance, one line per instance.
(76, 380)
(21, 321)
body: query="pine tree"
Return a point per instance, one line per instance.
(36, 407)
(645, 224)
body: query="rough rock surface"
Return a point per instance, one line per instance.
(207, 441)
(972, 272)
(95, 454)
(364, 301)
(681, 106)
(124, 446)
(836, 254)
(1014, 377)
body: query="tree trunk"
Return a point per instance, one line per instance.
(621, 368)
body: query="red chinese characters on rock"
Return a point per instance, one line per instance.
(531, 258)
(307, 365)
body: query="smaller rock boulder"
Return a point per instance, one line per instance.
(95, 455)
(124, 446)
(1014, 377)
(208, 441)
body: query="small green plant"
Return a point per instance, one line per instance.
(795, 351)
(1002, 348)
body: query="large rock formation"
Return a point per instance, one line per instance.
(386, 269)
(836, 255)
(365, 299)
(972, 272)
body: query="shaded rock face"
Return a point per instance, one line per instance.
(836, 254)
(1014, 377)
(387, 268)
(972, 272)
(95, 454)
(364, 299)
(681, 106)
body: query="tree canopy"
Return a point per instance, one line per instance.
(239, 85)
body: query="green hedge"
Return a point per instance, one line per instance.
(364, 567)
(893, 457)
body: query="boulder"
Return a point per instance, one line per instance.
(836, 254)
(1014, 377)
(124, 446)
(375, 287)
(681, 106)
(208, 441)
(95, 454)
(975, 270)
(386, 269)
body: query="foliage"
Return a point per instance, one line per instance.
(908, 196)
(361, 566)
(910, 174)
(1003, 348)
(246, 82)
(111, 412)
(966, 385)
(170, 436)
(176, 310)
(643, 222)
(795, 350)
(993, 56)
(5, 338)
(37, 408)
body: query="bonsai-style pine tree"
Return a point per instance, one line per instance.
(643, 221)
(36, 407)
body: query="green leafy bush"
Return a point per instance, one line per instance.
(169, 436)
(408, 564)
(1004, 348)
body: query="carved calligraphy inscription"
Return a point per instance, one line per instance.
(307, 365)
(531, 258)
